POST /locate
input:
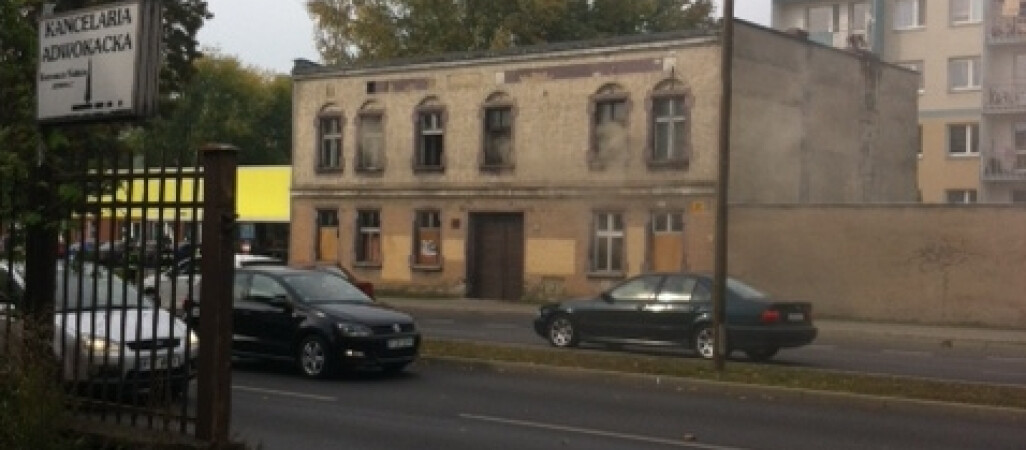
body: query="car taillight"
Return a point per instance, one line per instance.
(770, 316)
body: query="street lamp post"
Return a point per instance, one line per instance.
(720, 270)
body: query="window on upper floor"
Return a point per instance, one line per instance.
(964, 73)
(820, 19)
(963, 139)
(498, 151)
(368, 238)
(607, 247)
(909, 14)
(670, 133)
(427, 239)
(429, 141)
(966, 11)
(916, 66)
(609, 110)
(859, 17)
(329, 139)
(961, 196)
(370, 141)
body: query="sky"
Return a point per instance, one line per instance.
(269, 34)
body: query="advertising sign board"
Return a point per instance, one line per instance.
(99, 63)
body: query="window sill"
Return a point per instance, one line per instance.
(426, 267)
(497, 168)
(370, 170)
(429, 169)
(367, 265)
(963, 155)
(966, 24)
(327, 170)
(613, 275)
(673, 164)
(909, 28)
(962, 90)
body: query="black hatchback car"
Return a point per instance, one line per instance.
(319, 320)
(676, 309)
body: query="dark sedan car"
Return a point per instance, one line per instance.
(676, 308)
(319, 320)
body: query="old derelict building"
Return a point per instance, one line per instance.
(557, 170)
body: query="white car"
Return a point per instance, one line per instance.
(106, 331)
(172, 286)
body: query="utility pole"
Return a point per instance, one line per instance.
(722, 181)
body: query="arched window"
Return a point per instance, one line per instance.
(670, 125)
(370, 138)
(329, 138)
(609, 110)
(497, 133)
(429, 138)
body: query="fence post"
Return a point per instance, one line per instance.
(213, 414)
(41, 257)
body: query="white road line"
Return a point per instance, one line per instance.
(285, 393)
(906, 352)
(628, 437)
(1007, 359)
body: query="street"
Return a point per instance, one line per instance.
(463, 406)
(845, 352)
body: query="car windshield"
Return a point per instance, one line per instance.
(325, 287)
(743, 290)
(88, 288)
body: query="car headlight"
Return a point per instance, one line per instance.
(353, 329)
(193, 343)
(100, 345)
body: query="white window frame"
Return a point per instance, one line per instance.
(606, 232)
(329, 157)
(972, 139)
(971, 65)
(675, 118)
(918, 14)
(667, 222)
(973, 12)
(430, 126)
(364, 232)
(865, 20)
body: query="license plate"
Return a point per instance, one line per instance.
(400, 343)
(796, 317)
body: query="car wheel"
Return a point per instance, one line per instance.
(562, 332)
(761, 354)
(704, 341)
(314, 357)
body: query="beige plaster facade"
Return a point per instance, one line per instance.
(572, 208)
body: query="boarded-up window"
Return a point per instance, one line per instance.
(667, 241)
(368, 237)
(427, 240)
(327, 235)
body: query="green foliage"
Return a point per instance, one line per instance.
(228, 103)
(352, 30)
(32, 410)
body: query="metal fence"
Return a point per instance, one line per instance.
(115, 239)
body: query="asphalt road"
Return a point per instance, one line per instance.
(439, 405)
(865, 354)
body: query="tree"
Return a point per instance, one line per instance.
(224, 102)
(360, 30)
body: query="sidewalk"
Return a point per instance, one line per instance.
(948, 336)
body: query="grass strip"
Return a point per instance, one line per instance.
(738, 372)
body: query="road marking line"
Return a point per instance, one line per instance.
(629, 437)
(285, 393)
(906, 352)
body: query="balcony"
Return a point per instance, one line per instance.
(1003, 164)
(1006, 30)
(1004, 98)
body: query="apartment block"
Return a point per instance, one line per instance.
(971, 55)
